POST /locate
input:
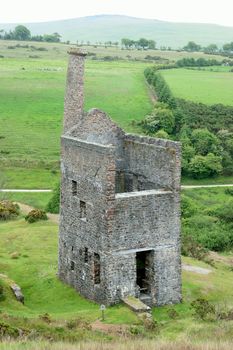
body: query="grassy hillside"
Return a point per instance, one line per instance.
(206, 86)
(34, 264)
(109, 27)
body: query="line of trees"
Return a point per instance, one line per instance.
(141, 44)
(21, 32)
(210, 49)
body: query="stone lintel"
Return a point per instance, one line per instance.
(142, 193)
(133, 251)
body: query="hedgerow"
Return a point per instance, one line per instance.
(206, 132)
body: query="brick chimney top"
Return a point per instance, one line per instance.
(76, 51)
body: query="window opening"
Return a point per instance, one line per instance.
(96, 268)
(74, 188)
(83, 210)
(72, 265)
(86, 255)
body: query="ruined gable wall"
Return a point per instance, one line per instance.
(155, 160)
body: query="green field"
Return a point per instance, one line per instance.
(201, 85)
(31, 115)
(32, 112)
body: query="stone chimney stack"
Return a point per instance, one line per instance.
(74, 98)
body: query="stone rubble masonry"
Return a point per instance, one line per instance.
(120, 195)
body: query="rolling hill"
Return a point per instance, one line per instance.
(114, 27)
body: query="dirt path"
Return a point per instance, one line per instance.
(152, 93)
(115, 329)
(196, 269)
(184, 187)
(27, 208)
(24, 190)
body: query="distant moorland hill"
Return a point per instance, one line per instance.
(115, 27)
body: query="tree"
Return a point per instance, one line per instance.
(188, 152)
(127, 43)
(142, 43)
(53, 38)
(37, 38)
(205, 142)
(192, 46)
(151, 44)
(166, 119)
(212, 48)
(21, 33)
(228, 47)
(205, 166)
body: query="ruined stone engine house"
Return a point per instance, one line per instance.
(120, 206)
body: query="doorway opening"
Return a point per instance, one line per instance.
(144, 264)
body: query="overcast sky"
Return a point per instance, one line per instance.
(202, 11)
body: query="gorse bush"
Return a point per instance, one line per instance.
(36, 215)
(229, 191)
(6, 330)
(203, 309)
(188, 207)
(53, 205)
(225, 212)
(8, 210)
(190, 247)
(208, 232)
(207, 221)
(2, 295)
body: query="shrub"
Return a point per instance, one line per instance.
(161, 134)
(229, 191)
(188, 207)
(190, 247)
(217, 239)
(8, 330)
(225, 212)
(36, 215)
(53, 205)
(172, 313)
(46, 318)
(205, 166)
(207, 231)
(8, 210)
(203, 309)
(205, 142)
(2, 296)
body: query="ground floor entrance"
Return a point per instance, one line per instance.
(144, 265)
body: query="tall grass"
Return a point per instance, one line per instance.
(121, 345)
